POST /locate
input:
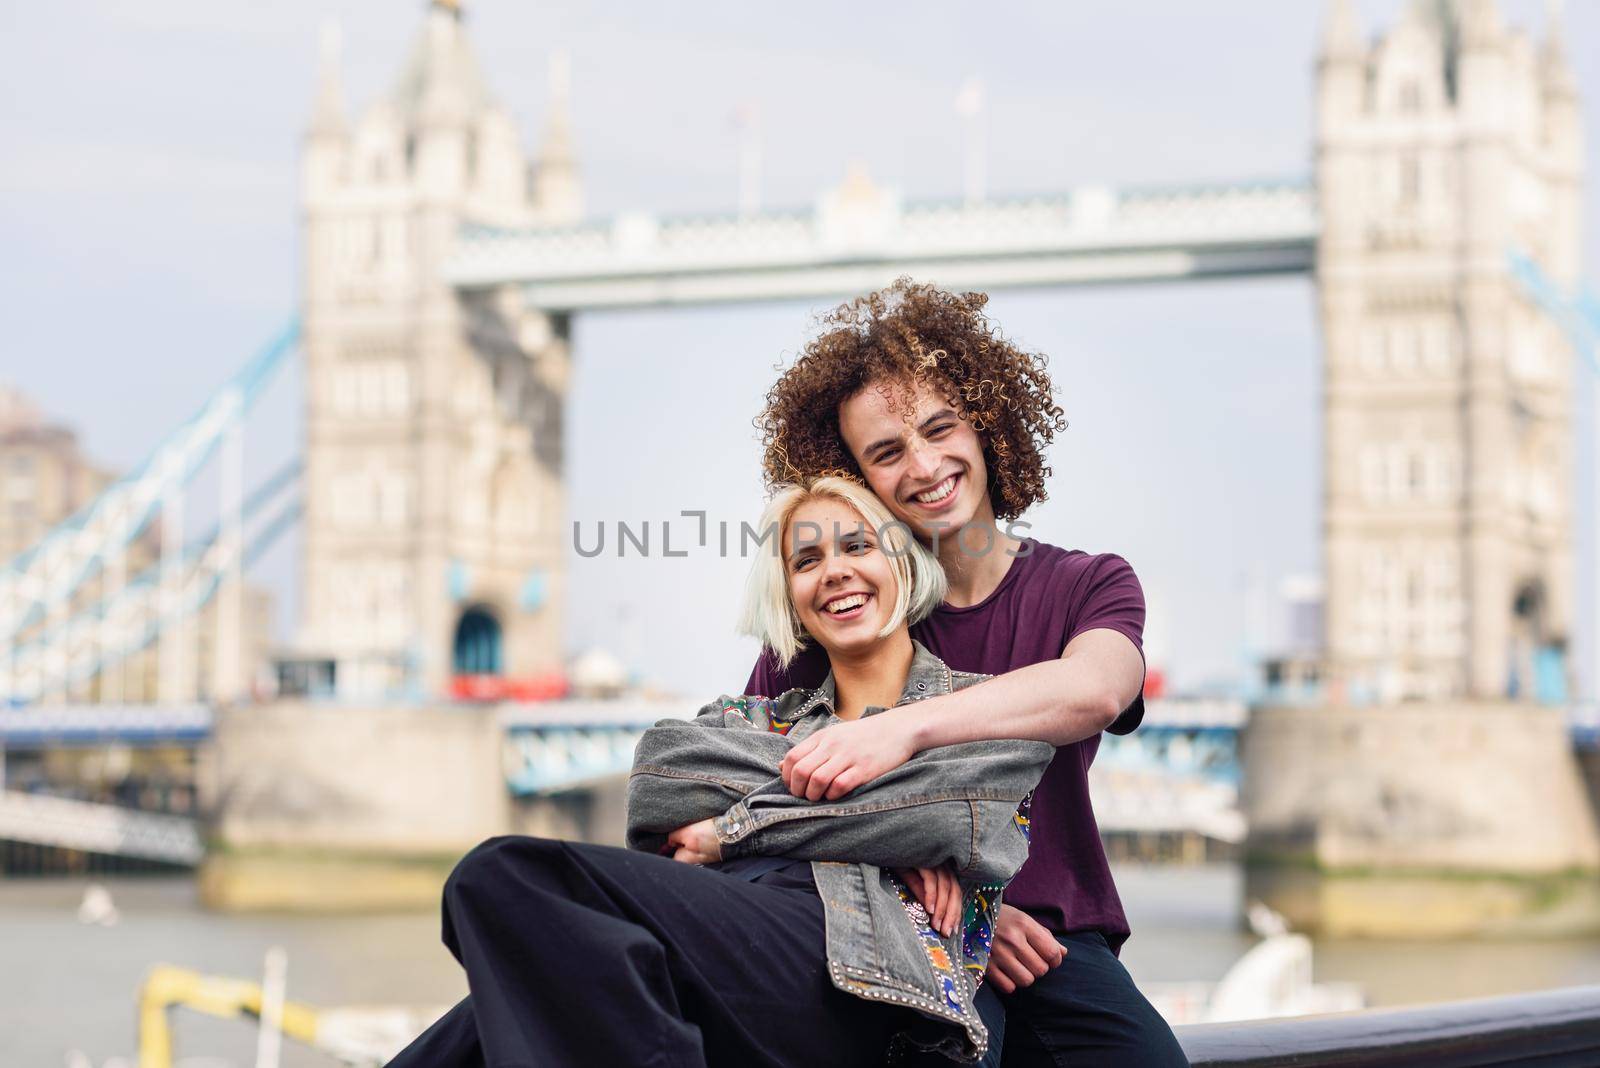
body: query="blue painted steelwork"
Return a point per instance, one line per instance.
(547, 760)
(457, 580)
(532, 596)
(1577, 313)
(90, 725)
(146, 584)
(1208, 754)
(51, 571)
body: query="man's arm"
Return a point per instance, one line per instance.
(1098, 675)
(951, 803)
(1061, 701)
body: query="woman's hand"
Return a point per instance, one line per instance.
(694, 843)
(939, 891)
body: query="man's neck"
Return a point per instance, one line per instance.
(975, 565)
(875, 677)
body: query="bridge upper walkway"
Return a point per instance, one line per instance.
(858, 236)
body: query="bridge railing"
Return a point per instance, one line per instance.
(1556, 1027)
(95, 828)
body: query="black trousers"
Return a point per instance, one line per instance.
(1085, 1013)
(582, 955)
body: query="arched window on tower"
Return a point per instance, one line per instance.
(477, 645)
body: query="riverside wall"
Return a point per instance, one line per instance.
(1420, 820)
(329, 807)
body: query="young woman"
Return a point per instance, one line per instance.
(916, 392)
(768, 930)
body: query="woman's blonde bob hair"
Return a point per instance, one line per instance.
(768, 614)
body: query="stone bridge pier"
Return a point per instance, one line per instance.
(323, 807)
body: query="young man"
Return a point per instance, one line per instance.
(914, 391)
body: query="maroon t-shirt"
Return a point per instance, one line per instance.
(1047, 598)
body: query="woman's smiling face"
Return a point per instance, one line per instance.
(841, 584)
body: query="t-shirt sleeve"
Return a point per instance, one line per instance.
(1112, 599)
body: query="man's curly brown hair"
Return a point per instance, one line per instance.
(908, 334)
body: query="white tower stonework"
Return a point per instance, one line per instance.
(1430, 796)
(433, 454)
(1441, 147)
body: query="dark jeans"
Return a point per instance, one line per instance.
(583, 955)
(1085, 1013)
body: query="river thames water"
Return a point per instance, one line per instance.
(67, 987)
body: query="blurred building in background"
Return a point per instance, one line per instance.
(47, 477)
(1448, 437)
(46, 480)
(1292, 656)
(434, 498)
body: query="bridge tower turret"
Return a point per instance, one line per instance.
(433, 465)
(1441, 146)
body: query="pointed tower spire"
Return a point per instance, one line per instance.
(1341, 33)
(327, 112)
(1557, 69)
(557, 146)
(1480, 24)
(556, 192)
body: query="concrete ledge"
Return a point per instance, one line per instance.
(1553, 1028)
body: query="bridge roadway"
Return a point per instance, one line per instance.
(1178, 772)
(95, 828)
(857, 237)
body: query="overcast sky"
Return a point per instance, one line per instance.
(148, 244)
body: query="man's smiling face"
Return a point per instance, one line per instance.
(929, 468)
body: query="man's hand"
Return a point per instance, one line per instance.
(939, 891)
(832, 762)
(1023, 950)
(694, 843)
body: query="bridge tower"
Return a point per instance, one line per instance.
(1448, 533)
(1431, 794)
(433, 432)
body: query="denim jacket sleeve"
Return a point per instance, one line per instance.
(957, 803)
(685, 771)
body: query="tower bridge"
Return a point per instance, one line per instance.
(443, 270)
(1441, 229)
(1447, 384)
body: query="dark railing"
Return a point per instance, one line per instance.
(1557, 1027)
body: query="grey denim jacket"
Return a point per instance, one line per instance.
(957, 804)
